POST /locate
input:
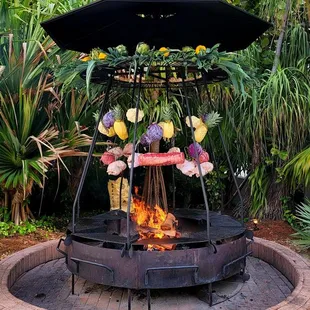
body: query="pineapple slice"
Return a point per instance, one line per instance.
(200, 132)
(167, 125)
(119, 125)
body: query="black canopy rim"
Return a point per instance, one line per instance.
(156, 76)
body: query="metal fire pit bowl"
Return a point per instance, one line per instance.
(96, 252)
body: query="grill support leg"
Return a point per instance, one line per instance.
(148, 293)
(129, 299)
(129, 247)
(210, 300)
(245, 276)
(72, 284)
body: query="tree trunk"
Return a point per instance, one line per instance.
(74, 179)
(20, 210)
(274, 210)
(281, 37)
(6, 199)
(17, 205)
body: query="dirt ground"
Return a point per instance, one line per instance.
(13, 244)
(278, 231)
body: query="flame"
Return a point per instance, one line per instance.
(145, 216)
(149, 220)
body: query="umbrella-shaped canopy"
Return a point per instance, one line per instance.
(169, 23)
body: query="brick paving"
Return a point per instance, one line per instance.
(49, 286)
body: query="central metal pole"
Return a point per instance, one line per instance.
(172, 140)
(204, 193)
(133, 153)
(90, 153)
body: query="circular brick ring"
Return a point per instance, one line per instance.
(292, 265)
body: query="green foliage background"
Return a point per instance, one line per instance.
(45, 124)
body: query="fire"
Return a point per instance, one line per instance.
(150, 221)
(144, 216)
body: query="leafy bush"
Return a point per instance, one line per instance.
(48, 223)
(5, 214)
(10, 229)
(289, 212)
(303, 233)
(215, 182)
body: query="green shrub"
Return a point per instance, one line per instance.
(303, 232)
(10, 229)
(47, 223)
(289, 212)
(5, 214)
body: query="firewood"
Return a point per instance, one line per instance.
(169, 222)
(168, 247)
(170, 233)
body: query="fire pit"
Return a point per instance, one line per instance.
(97, 252)
(144, 245)
(168, 251)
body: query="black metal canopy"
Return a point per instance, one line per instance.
(169, 23)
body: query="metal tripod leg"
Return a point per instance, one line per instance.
(210, 299)
(129, 299)
(76, 203)
(72, 284)
(148, 293)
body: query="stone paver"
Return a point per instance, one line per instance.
(48, 286)
(293, 266)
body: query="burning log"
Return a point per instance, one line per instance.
(164, 247)
(166, 231)
(169, 222)
(154, 225)
(171, 233)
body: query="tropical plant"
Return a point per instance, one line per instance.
(274, 114)
(303, 233)
(31, 136)
(271, 113)
(29, 145)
